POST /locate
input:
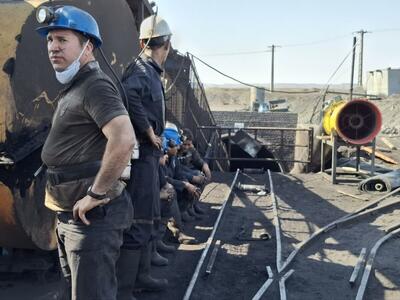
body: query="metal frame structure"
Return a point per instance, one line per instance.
(256, 132)
(334, 142)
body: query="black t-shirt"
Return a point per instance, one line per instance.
(85, 106)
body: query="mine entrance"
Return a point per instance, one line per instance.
(242, 159)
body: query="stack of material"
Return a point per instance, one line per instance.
(381, 183)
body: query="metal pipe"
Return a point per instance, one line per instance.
(276, 224)
(368, 267)
(266, 285)
(360, 261)
(351, 216)
(192, 283)
(282, 286)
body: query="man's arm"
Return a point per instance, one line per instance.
(206, 170)
(134, 90)
(120, 141)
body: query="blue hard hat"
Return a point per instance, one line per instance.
(73, 18)
(171, 138)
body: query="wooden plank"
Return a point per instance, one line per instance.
(379, 155)
(353, 196)
(388, 143)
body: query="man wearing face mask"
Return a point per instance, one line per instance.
(145, 93)
(88, 147)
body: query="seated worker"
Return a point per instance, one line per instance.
(170, 214)
(190, 157)
(187, 193)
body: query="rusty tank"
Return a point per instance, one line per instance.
(27, 91)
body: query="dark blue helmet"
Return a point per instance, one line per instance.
(68, 17)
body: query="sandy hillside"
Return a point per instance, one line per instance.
(237, 99)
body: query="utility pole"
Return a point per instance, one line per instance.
(352, 68)
(272, 65)
(361, 54)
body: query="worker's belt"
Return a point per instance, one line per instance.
(58, 175)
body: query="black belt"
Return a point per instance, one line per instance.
(57, 175)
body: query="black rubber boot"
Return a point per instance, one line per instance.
(157, 259)
(198, 209)
(192, 213)
(127, 268)
(162, 247)
(144, 280)
(186, 217)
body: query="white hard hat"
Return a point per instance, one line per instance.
(154, 26)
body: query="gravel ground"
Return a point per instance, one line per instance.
(307, 202)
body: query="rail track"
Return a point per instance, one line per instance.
(375, 207)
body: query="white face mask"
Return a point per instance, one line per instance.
(70, 72)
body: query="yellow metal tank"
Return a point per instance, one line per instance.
(356, 122)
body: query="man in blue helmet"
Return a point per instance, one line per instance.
(88, 147)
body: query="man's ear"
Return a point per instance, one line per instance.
(89, 48)
(142, 44)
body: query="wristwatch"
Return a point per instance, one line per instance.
(94, 195)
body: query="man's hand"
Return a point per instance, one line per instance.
(85, 204)
(200, 179)
(154, 139)
(193, 190)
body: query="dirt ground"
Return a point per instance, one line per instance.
(306, 202)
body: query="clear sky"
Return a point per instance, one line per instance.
(209, 27)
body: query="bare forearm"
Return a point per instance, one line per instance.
(115, 159)
(206, 170)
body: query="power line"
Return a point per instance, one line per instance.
(316, 42)
(248, 84)
(237, 53)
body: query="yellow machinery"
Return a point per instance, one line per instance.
(353, 123)
(356, 122)
(27, 91)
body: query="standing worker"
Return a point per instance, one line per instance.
(146, 100)
(89, 145)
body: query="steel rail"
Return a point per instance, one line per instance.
(277, 224)
(266, 285)
(357, 268)
(370, 261)
(282, 284)
(365, 210)
(192, 283)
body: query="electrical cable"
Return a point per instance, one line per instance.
(177, 75)
(329, 80)
(237, 53)
(125, 100)
(251, 85)
(132, 65)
